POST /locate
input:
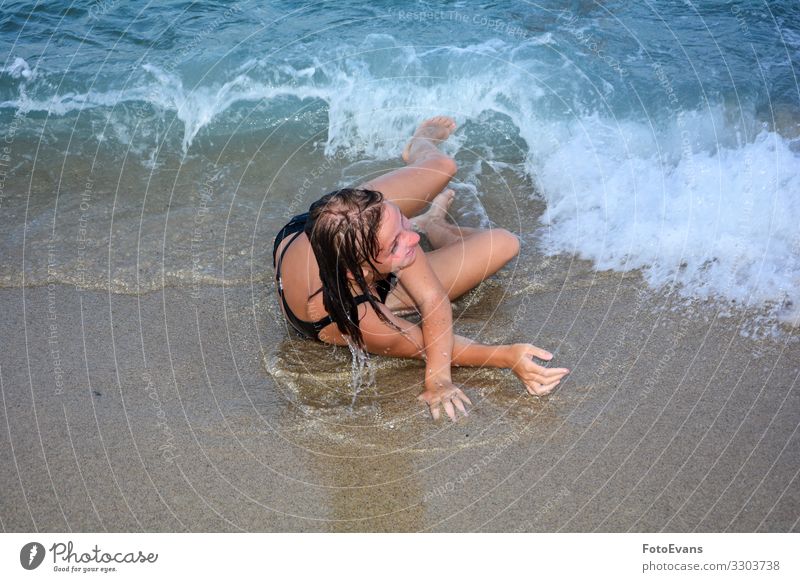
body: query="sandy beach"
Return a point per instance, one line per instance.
(168, 412)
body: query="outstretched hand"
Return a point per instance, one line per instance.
(538, 380)
(449, 396)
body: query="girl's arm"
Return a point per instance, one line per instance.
(427, 293)
(434, 341)
(384, 340)
(538, 380)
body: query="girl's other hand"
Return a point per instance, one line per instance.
(538, 380)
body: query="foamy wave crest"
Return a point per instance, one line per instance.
(692, 205)
(385, 89)
(196, 108)
(19, 69)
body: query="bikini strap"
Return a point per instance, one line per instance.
(280, 261)
(327, 320)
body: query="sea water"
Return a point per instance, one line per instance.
(162, 143)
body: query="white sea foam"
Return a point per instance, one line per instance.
(19, 69)
(718, 219)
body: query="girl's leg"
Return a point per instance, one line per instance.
(428, 170)
(463, 257)
(434, 223)
(461, 266)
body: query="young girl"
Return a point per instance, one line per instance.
(346, 268)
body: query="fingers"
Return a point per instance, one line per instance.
(539, 353)
(554, 374)
(547, 388)
(537, 389)
(460, 405)
(542, 378)
(544, 370)
(457, 399)
(448, 408)
(548, 374)
(542, 382)
(450, 401)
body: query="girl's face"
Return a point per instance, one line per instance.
(399, 243)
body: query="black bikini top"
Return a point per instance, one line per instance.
(311, 329)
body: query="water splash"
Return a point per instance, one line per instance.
(362, 371)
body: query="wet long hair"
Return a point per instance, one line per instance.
(343, 230)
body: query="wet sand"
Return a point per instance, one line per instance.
(179, 411)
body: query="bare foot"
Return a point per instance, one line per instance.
(429, 133)
(437, 213)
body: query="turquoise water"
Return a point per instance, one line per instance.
(209, 66)
(661, 135)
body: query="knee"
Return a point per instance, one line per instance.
(506, 243)
(443, 164)
(449, 166)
